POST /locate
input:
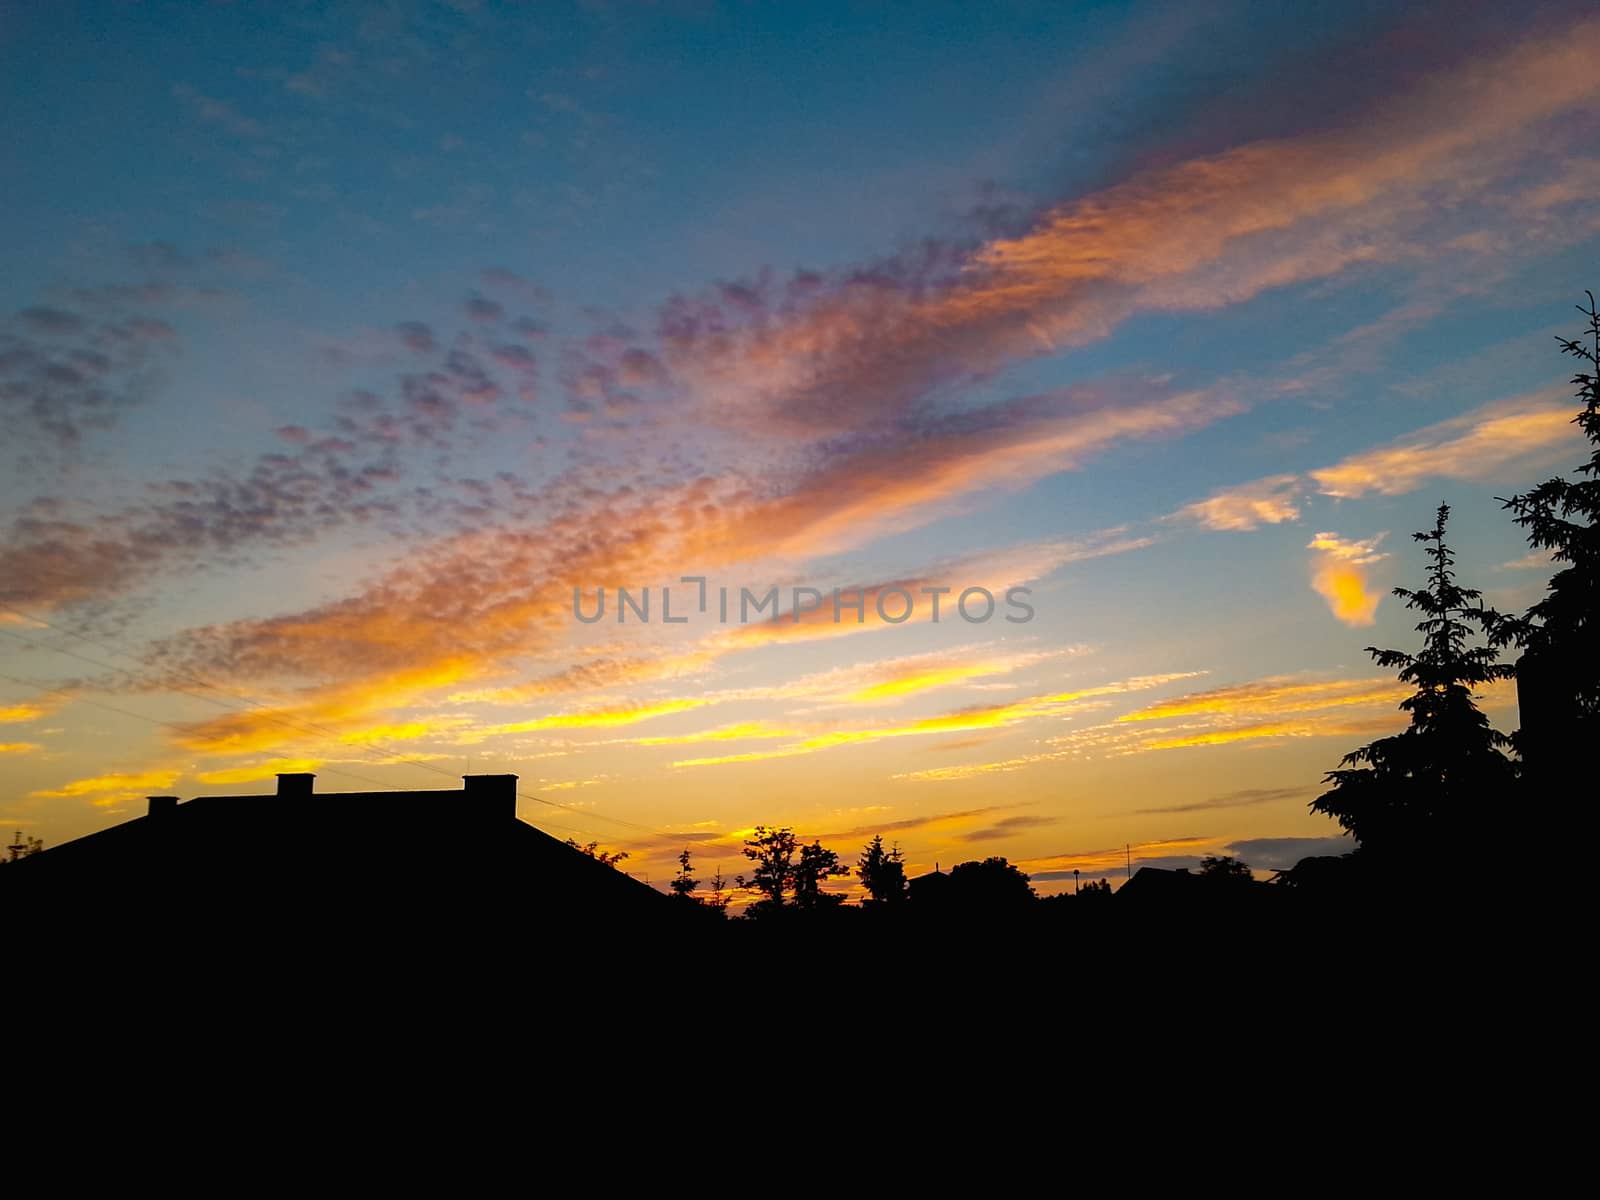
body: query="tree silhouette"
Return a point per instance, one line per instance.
(718, 900)
(1439, 779)
(593, 851)
(1225, 866)
(772, 851)
(1559, 675)
(816, 866)
(684, 883)
(22, 847)
(991, 884)
(882, 872)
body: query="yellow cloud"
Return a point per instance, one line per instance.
(265, 770)
(17, 747)
(726, 733)
(992, 716)
(1339, 576)
(1345, 589)
(1274, 695)
(13, 714)
(122, 784)
(596, 718)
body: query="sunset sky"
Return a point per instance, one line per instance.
(341, 343)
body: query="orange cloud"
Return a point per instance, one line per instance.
(1473, 446)
(18, 747)
(1268, 501)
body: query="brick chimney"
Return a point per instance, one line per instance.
(162, 806)
(491, 796)
(296, 786)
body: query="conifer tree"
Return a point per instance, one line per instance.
(1561, 633)
(684, 883)
(882, 872)
(1420, 793)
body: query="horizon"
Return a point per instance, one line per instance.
(346, 355)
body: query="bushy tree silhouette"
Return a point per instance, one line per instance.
(772, 850)
(1559, 675)
(816, 866)
(1225, 866)
(593, 850)
(988, 885)
(882, 872)
(1426, 788)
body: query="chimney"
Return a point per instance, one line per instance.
(161, 806)
(491, 796)
(295, 786)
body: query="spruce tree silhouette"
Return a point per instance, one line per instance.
(882, 872)
(1413, 799)
(1559, 673)
(684, 883)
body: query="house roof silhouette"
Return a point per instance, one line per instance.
(316, 861)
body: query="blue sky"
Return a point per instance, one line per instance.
(344, 341)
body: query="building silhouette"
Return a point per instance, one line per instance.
(317, 867)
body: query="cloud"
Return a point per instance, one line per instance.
(219, 113)
(1279, 854)
(1538, 560)
(595, 718)
(1406, 178)
(981, 717)
(1009, 827)
(66, 374)
(111, 788)
(1112, 861)
(1243, 798)
(1262, 711)
(18, 747)
(1478, 445)
(31, 710)
(1339, 576)
(1474, 446)
(263, 770)
(1276, 695)
(1266, 502)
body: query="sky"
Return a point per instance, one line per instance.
(347, 352)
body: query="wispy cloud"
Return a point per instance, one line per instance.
(1243, 798)
(113, 788)
(1479, 445)
(983, 717)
